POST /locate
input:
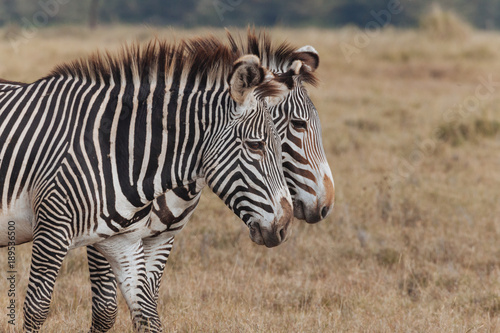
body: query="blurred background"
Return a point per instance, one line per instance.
(484, 14)
(409, 102)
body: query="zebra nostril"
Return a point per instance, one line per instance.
(282, 234)
(324, 211)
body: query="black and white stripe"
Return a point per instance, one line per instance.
(90, 147)
(306, 168)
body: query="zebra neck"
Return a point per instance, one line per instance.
(193, 118)
(162, 131)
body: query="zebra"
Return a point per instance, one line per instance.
(101, 274)
(306, 170)
(88, 148)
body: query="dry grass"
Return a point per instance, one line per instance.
(414, 242)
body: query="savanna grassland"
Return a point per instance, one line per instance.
(411, 128)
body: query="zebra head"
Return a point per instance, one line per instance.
(305, 165)
(243, 162)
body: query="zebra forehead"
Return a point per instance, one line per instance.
(297, 103)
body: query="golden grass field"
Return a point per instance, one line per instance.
(412, 135)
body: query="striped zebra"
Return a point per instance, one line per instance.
(306, 170)
(87, 149)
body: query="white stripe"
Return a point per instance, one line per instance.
(149, 134)
(137, 83)
(164, 142)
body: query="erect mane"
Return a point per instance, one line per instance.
(276, 57)
(206, 58)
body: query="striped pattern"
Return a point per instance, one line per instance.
(91, 146)
(306, 169)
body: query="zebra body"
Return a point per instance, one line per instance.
(87, 149)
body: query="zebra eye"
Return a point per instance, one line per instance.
(255, 145)
(299, 124)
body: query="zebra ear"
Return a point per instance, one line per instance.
(247, 74)
(308, 58)
(304, 62)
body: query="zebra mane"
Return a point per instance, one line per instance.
(276, 57)
(203, 58)
(206, 59)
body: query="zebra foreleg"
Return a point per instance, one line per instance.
(126, 257)
(104, 305)
(46, 258)
(157, 250)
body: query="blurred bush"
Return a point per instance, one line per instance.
(444, 24)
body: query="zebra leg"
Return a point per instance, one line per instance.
(47, 256)
(157, 249)
(126, 257)
(104, 304)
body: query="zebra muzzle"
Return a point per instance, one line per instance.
(277, 232)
